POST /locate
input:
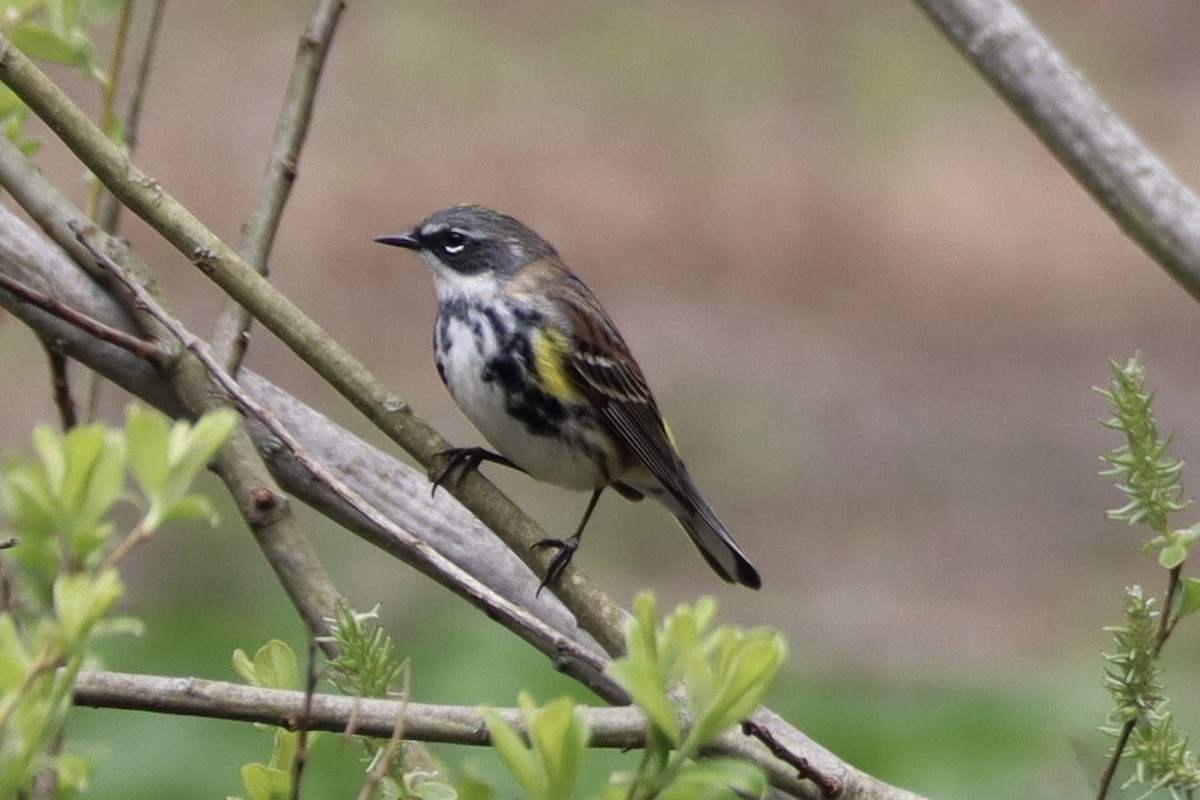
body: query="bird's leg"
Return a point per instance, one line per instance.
(566, 547)
(466, 459)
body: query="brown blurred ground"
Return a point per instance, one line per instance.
(871, 304)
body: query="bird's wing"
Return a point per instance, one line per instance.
(605, 372)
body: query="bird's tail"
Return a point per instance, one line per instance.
(708, 534)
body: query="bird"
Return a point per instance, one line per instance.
(536, 364)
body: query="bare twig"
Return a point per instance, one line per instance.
(108, 96)
(304, 721)
(1128, 180)
(139, 347)
(829, 786)
(109, 215)
(61, 387)
(386, 757)
(231, 335)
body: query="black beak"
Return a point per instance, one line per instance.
(405, 240)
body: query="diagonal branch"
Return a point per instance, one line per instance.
(230, 336)
(1128, 180)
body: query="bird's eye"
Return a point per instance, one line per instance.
(454, 242)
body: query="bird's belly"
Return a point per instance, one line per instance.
(545, 456)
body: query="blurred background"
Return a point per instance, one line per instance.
(869, 301)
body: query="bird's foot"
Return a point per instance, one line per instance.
(566, 551)
(464, 460)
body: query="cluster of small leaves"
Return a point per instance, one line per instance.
(57, 507)
(273, 667)
(56, 31)
(1131, 673)
(693, 682)
(1147, 474)
(1150, 479)
(366, 665)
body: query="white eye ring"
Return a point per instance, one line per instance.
(454, 249)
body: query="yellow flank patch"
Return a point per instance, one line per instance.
(549, 347)
(670, 435)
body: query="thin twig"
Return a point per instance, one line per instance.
(386, 757)
(830, 787)
(109, 216)
(108, 97)
(232, 331)
(141, 348)
(304, 722)
(61, 387)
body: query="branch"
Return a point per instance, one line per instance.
(1131, 183)
(230, 336)
(596, 613)
(621, 728)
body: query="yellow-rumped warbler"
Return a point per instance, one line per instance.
(534, 362)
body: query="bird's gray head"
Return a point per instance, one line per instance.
(464, 241)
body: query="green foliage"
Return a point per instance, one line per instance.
(1147, 475)
(366, 665)
(549, 768)
(1149, 478)
(56, 31)
(693, 682)
(273, 667)
(58, 507)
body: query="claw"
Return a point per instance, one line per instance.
(566, 551)
(465, 460)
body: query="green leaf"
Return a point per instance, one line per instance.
(244, 667)
(14, 660)
(146, 443)
(716, 779)
(264, 783)
(1189, 597)
(433, 790)
(559, 737)
(640, 679)
(38, 41)
(275, 666)
(9, 102)
(81, 599)
(516, 757)
(197, 444)
(1172, 555)
(746, 669)
(190, 508)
